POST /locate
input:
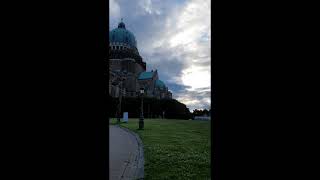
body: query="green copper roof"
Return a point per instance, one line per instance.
(122, 35)
(160, 84)
(145, 75)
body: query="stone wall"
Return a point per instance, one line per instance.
(127, 64)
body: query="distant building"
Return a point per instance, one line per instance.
(127, 70)
(204, 117)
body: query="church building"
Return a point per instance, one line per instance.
(127, 70)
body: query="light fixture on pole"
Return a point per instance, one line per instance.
(141, 123)
(121, 92)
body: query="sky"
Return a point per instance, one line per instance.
(173, 36)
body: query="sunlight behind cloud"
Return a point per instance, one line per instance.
(196, 78)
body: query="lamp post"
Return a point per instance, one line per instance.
(121, 79)
(141, 123)
(119, 105)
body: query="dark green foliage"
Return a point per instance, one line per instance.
(205, 112)
(152, 108)
(113, 104)
(200, 112)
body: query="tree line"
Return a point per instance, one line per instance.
(152, 108)
(200, 112)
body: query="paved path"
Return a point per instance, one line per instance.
(125, 154)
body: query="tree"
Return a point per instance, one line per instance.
(205, 112)
(154, 108)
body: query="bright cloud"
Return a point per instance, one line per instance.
(196, 77)
(114, 9)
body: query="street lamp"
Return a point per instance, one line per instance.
(121, 79)
(141, 123)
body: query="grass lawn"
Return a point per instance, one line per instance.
(174, 149)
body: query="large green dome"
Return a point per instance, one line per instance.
(122, 35)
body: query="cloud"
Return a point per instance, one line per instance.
(195, 99)
(173, 37)
(114, 10)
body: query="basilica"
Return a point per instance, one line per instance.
(127, 70)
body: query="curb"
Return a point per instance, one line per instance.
(139, 161)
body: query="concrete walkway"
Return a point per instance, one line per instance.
(125, 154)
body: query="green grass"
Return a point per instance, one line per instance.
(174, 149)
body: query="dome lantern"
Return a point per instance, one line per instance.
(121, 24)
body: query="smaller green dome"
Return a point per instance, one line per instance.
(160, 84)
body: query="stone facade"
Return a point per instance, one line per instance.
(127, 70)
